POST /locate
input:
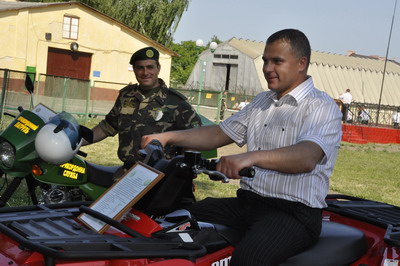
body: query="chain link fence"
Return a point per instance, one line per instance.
(13, 94)
(215, 105)
(367, 114)
(87, 99)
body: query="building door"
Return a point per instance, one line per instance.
(224, 77)
(68, 63)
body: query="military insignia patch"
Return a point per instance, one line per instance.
(159, 115)
(149, 53)
(156, 113)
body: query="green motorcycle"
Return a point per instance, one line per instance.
(57, 179)
(42, 148)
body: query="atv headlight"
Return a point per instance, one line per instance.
(7, 154)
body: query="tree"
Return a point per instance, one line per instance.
(214, 38)
(183, 65)
(157, 19)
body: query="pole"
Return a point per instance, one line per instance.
(220, 95)
(64, 93)
(3, 94)
(384, 67)
(202, 70)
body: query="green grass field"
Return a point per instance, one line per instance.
(368, 171)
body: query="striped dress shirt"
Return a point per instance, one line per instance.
(304, 114)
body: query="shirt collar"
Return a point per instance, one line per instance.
(302, 90)
(296, 95)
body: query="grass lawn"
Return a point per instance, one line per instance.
(368, 171)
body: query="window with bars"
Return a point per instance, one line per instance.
(70, 27)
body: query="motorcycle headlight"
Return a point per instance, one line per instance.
(7, 154)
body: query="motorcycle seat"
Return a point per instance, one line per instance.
(338, 244)
(101, 175)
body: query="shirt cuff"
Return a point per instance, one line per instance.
(107, 128)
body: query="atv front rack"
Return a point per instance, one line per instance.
(373, 212)
(52, 230)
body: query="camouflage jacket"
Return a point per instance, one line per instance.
(134, 116)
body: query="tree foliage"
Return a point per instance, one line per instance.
(157, 19)
(183, 65)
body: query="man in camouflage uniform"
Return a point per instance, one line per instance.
(145, 108)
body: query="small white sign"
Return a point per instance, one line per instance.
(45, 113)
(186, 237)
(390, 262)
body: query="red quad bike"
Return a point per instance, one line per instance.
(156, 232)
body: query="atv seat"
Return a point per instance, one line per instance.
(338, 244)
(101, 175)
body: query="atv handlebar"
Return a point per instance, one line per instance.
(192, 161)
(218, 176)
(248, 172)
(20, 109)
(201, 165)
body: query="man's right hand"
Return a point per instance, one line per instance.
(148, 138)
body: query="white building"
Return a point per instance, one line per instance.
(236, 66)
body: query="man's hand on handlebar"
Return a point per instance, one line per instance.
(148, 138)
(232, 164)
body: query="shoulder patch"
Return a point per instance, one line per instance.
(128, 90)
(129, 87)
(175, 92)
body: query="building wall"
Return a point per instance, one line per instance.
(243, 74)
(23, 42)
(365, 85)
(331, 73)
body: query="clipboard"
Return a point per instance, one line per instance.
(122, 195)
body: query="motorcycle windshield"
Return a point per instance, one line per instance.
(67, 123)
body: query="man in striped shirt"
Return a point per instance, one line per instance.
(293, 133)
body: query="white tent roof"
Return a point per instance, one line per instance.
(334, 73)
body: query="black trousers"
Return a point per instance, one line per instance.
(275, 229)
(345, 110)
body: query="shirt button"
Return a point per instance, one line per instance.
(259, 148)
(265, 125)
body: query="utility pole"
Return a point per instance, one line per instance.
(384, 67)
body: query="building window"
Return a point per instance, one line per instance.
(226, 56)
(70, 27)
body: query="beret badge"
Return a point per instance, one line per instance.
(150, 53)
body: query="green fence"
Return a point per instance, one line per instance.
(215, 105)
(87, 99)
(13, 93)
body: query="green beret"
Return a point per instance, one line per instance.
(145, 54)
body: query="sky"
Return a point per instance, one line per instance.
(334, 26)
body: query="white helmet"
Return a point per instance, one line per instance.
(59, 140)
